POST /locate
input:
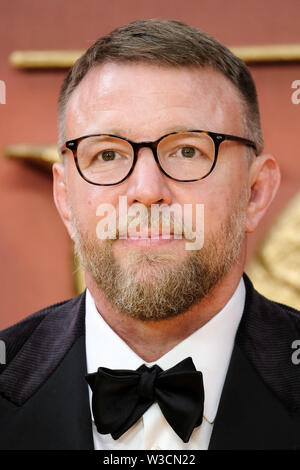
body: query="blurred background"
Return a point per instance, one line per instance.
(39, 41)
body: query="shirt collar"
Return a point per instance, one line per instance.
(210, 347)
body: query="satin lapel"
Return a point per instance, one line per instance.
(45, 402)
(260, 400)
(249, 416)
(57, 416)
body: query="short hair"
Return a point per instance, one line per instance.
(166, 43)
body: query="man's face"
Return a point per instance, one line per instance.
(154, 279)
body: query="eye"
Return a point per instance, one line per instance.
(108, 155)
(187, 152)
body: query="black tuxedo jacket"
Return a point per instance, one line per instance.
(44, 401)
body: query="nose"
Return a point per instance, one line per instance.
(147, 184)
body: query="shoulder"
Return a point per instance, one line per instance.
(272, 316)
(15, 336)
(267, 335)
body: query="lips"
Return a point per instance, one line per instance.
(148, 236)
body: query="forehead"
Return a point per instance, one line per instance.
(143, 101)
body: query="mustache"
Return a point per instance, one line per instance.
(140, 221)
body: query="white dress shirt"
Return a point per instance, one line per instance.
(210, 348)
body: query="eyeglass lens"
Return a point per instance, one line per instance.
(184, 156)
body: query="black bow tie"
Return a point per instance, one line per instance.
(121, 397)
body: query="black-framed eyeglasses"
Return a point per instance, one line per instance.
(186, 156)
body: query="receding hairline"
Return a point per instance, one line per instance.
(167, 43)
(193, 68)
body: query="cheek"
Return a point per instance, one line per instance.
(91, 203)
(219, 199)
(84, 199)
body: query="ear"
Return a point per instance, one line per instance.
(60, 194)
(264, 181)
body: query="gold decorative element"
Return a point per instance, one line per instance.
(43, 155)
(275, 271)
(44, 59)
(78, 276)
(65, 59)
(269, 53)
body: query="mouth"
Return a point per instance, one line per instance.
(149, 240)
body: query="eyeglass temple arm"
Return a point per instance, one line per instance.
(242, 140)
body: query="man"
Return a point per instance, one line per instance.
(178, 349)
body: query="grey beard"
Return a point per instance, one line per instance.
(173, 286)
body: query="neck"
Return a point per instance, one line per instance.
(152, 339)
